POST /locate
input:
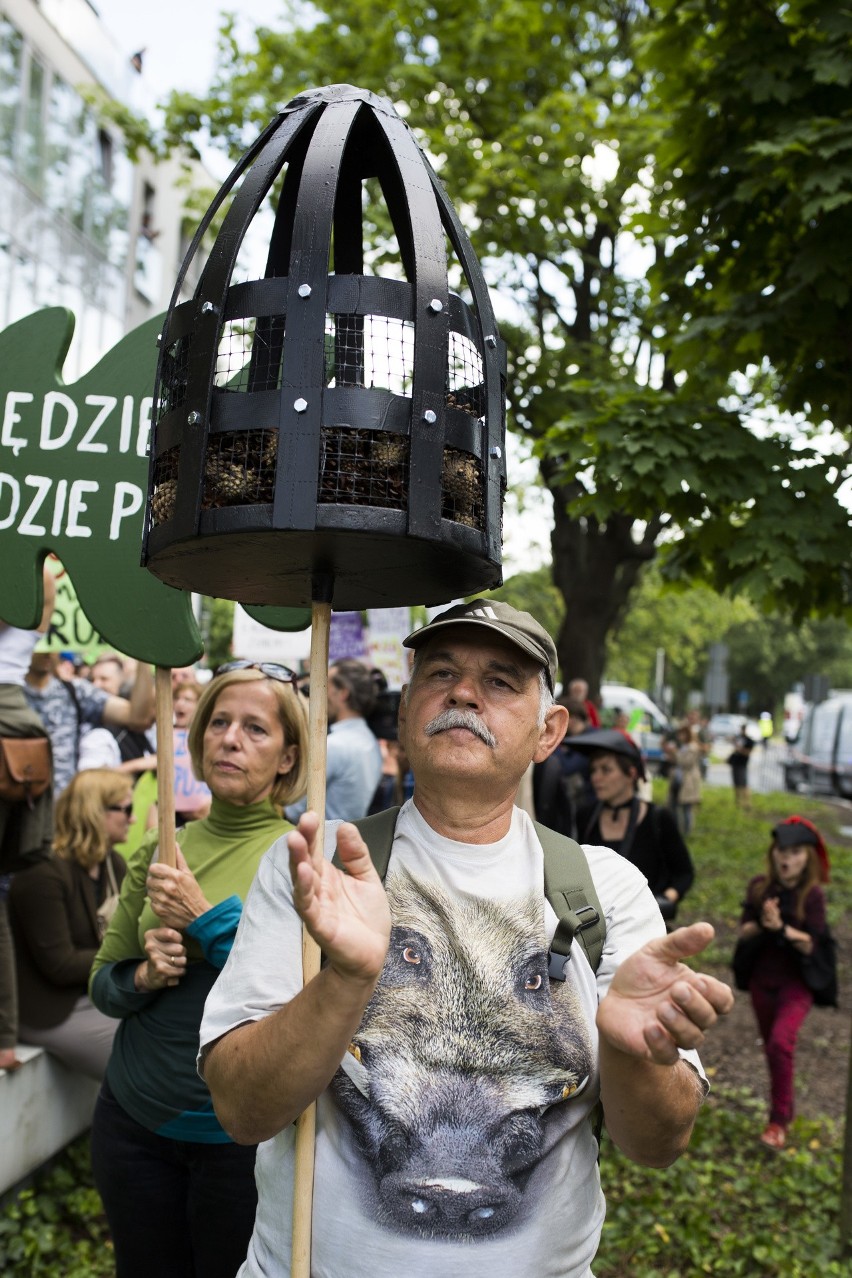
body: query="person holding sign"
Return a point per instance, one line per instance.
(25, 828)
(454, 1063)
(179, 1195)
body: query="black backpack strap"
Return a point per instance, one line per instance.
(377, 831)
(570, 890)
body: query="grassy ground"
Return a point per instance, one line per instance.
(727, 1208)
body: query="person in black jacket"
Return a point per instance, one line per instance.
(641, 832)
(56, 925)
(738, 761)
(561, 784)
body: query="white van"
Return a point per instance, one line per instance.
(654, 725)
(820, 760)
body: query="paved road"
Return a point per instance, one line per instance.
(766, 773)
(765, 769)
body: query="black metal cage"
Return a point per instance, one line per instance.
(362, 415)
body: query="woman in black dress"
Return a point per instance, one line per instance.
(641, 832)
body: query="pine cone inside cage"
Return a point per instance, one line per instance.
(262, 458)
(226, 483)
(468, 399)
(363, 467)
(269, 448)
(163, 501)
(388, 448)
(460, 482)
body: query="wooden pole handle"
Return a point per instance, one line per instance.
(165, 766)
(303, 1190)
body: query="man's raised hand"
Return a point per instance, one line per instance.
(656, 1004)
(346, 912)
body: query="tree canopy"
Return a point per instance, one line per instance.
(544, 122)
(756, 147)
(768, 654)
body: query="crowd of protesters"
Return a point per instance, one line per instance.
(107, 956)
(98, 719)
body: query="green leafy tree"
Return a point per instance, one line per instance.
(757, 153)
(218, 627)
(683, 623)
(538, 120)
(768, 653)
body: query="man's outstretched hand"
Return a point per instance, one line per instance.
(347, 913)
(656, 1004)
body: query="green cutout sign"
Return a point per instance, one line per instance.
(74, 480)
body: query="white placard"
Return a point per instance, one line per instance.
(387, 629)
(258, 643)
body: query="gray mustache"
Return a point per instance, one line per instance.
(461, 719)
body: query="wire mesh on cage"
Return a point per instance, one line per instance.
(329, 420)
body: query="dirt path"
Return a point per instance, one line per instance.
(734, 1058)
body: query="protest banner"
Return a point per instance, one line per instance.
(73, 477)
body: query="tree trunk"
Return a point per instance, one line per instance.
(595, 567)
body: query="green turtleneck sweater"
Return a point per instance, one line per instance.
(152, 1071)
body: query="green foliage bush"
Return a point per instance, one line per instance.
(728, 1207)
(55, 1228)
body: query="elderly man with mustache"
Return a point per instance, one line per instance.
(445, 1146)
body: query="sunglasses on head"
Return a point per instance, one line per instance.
(283, 674)
(126, 808)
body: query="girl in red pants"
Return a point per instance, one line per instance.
(785, 907)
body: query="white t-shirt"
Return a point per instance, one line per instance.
(457, 1146)
(98, 749)
(16, 650)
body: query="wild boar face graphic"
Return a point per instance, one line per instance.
(463, 1049)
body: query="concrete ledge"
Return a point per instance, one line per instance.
(43, 1107)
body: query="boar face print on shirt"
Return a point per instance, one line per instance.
(465, 1055)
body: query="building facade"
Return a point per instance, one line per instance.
(80, 225)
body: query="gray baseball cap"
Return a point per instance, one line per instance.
(520, 628)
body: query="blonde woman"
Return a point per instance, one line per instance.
(54, 907)
(179, 1195)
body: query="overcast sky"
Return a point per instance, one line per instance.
(178, 36)
(179, 39)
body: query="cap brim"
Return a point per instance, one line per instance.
(608, 741)
(790, 836)
(518, 641)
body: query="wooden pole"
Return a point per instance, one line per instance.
(165, 766)
(303, 1191)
